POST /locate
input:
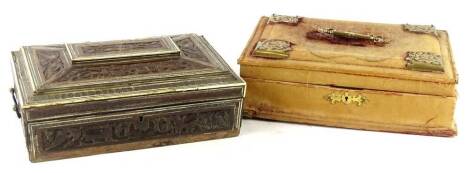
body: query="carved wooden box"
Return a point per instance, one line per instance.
(382, 77)
(99, 97)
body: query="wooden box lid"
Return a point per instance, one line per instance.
(60, 74)
(391, 57)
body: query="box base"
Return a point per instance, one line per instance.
(138, 145)
(133, 129)
(439, 132)
(350, 107)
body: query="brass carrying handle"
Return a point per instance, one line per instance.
(346, 37)
(351, 35)
(15, 107)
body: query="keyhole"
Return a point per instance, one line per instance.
(346, 98)
(141, 118)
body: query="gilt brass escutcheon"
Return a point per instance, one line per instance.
(346, 98)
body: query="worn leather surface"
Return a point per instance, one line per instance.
(380, 68)
(296, 89)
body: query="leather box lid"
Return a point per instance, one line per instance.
(403, 58)
(79, 72)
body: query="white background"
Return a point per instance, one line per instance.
(262, 146)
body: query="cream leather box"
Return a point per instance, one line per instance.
(371, 76)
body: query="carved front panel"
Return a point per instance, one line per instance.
(143, 126)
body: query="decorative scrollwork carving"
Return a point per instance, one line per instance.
(187, 46)
(116, 70)
(190, 49)
(120, 47)
(138, 128)
(51, 61)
